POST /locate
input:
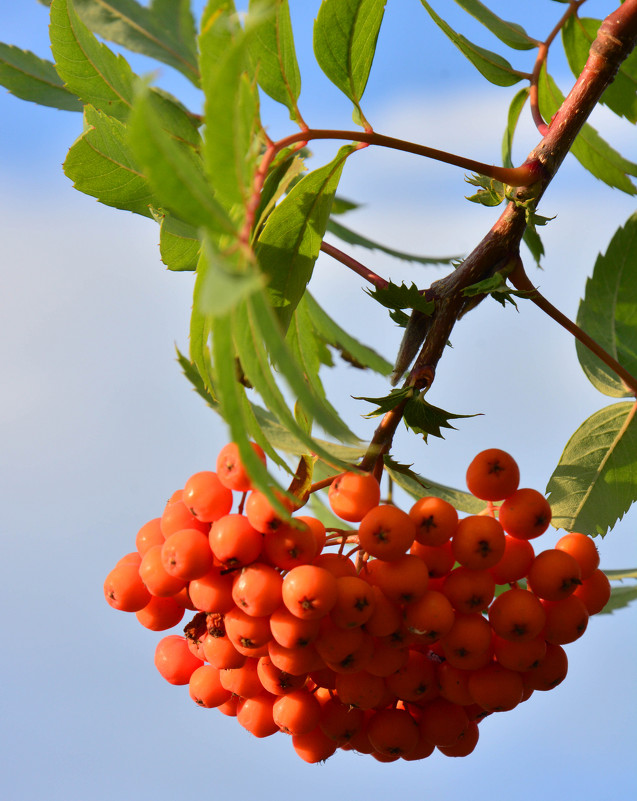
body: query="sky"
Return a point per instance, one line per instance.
(98, 427)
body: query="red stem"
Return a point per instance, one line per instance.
(355, 266)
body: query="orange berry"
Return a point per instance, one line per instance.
(160, 614)
(153, 573)
(393, 732)
(550, 672)
(583, 549)
(431, 616)
(230, 469)
(205, 687)
(256, 714)
(296, 661)
(275, 680)
(517, 615)
(465, 744)
(469, 590)
(174, 660)
(354, 603)
(496, 688)
(439, 559)
(336, 563)
(454, 684)
(124, 589)
(309, 591)
(256, 589)
(317, 528)
(148, 535)
(245, 631)
(515, 562)
(402, 580)
(352, 495)
(478, 542)
(386, 616)
(554, 575)
(186, 554)
(289, 546)
(221, 653)
(566, 620)
(386, 532)
(493, 475)
(436, 520)
(263, 516)
(243, 681)
(291, 631)
(521, 655)
(360, 689)
(526, 514)
(594, 591)
(212, 592)
(313, 747)
(297, 712)
(442, 722)
(468, 644)
(339, 722)
(416, 680)
(234, 541)
(177, 516)
(206, 497)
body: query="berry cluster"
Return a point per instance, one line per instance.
(399, 647)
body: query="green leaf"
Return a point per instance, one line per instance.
(510, 33)
(291, 239)
(179, 243)
(532, 240)
(388, 402)
(620, 575)
(272, 49)
(593, 485)
(173, 170)
(593, 153)
(497, 287)
(231, 146)
(621, 96)
(608, 312)
(352, 238)
(401, 296)
(345, 36)
(515, 109)
(419, 487)
(494, 67)
(100, 164)
(279, 180)
(425, 419)
(491, 192)
(164, 30)
(619, 598)
(351, 349)
(193, 375)
(200, 331)
(89, 69)
(32, 78)
(226, 281)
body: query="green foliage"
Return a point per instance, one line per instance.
(401, 296)
(608, 312)
(30, 77)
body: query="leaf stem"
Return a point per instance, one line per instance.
(542, 54)
(355, 266)
(520, 280)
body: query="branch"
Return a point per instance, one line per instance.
(355, 266)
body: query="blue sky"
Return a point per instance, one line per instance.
(98, 427)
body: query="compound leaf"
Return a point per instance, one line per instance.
(510, 33)
(401, 296)
(608, 312)
(32, 78)
(593, 485)
(425, 419)
(345, 36)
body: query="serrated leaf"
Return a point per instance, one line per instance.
(401, 296)
(290, 242)
(265, 321)
(593, 152)
(179, 243)
(386, 403)
(173, 170)
(619, 598)
(89, 68)
(621, 95)
(532, 240)
(249, 342)
(32, 78)
(286, 173)
(272, 49)
(351, 349)
(227, 281)
(593, 485)
(193, 375)
(515, 109)
(494, 67)
(608, 312)
(419, 487)
(164, 30)
(510, 33)
(491, 192)
(231, 111)
(497, 287)
(101, 165)
(425, 419)
(352, 238)
(345, 36)
(200, 331)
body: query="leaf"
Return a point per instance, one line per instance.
(231, 146)
(345, 36)
(173, 170)
(226, 281)
(621, 95)
(388, 402)
(510, 33)
(193, 375)
(279, 180)
(179, 244)
(425, 419)
(491, 192)
(497, 287)
(100, 164)
(619, 598)
(532, 240)
(352, 238)
(620, 575)
(32, 78)
(494, 67)
(164, 30)
(351, 349)
(89, 69)
(593, 485)
(401, 296)
(290, 242)
(515, 109)
(200, 332)
(608, 312)
(593, 153)
(272, 49)
(419, 487)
